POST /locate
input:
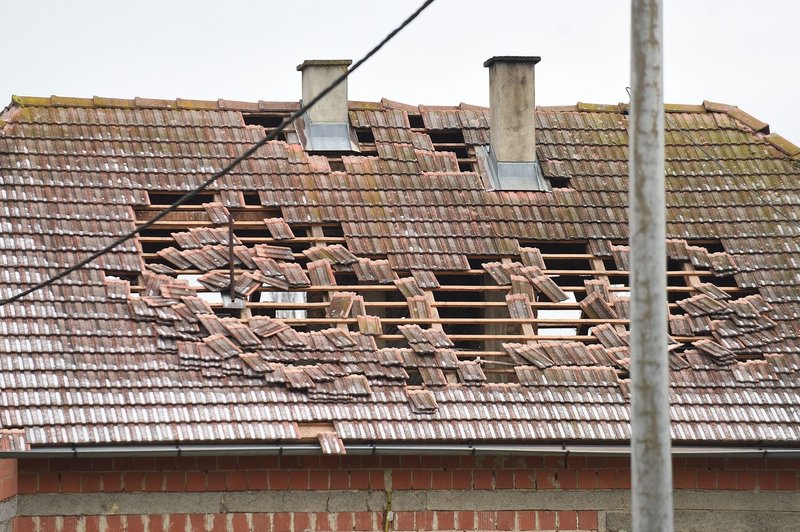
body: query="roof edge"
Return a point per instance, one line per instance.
(294, 449)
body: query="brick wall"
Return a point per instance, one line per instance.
(353, 492)
(8, 479)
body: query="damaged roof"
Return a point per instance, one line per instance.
(388, 294)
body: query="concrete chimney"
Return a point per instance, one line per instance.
(512, 153)
(326, 126)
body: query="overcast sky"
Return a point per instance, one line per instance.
(738, 52)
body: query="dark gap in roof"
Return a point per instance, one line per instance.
(333, 230)
(364, 135)
(168, 198)
(552, 248)
(416, 122)
(558, 182)
(268, 121)
(714, 247)
(446, 136)
(252, 198)
(336, 165)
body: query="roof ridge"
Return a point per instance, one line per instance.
(149, 103)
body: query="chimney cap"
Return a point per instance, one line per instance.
(324, 62)
(532, 59)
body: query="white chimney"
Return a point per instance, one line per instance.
(326, 126)
(512, 153)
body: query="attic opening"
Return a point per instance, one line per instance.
(168, 198)
(452, 140)
(269, 122)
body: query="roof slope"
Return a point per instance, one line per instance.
(391, 296)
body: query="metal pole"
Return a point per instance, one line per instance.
(651, 465)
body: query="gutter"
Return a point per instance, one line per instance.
(362, 449)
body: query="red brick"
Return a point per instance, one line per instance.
(144, 463)
(587, 520)
(256, 480)
(219, 522)
(389, 461)
(410, 461)
(486, 520)
(746, 479)
(339, 479)
(239, 523)
(206, 463)
(726, 480)
(227, 462)
(527, 520)
(441, 480)
(767, 480)
(567, 520)
(523, 480)
(174, 481)
(376, 479)
(260, 521)
(706, 479)
(587, 479)
(344, 521)
(685, 479)
(404, 521)
(466, 520)
(363, 521)
(506, 520)
(624, 478)
(93, 523)
(462, 479)
(278, 480)
(482, 479)
(281, 522)
(359, 479)
(185, 463)
(70, 523)
(154, 482)
(430, 461)
(177, 523)
(424, 520)
(568, 479)
(135, 523)
(236, 480)
(787, 480)
(445, 520)
(298, 480)
(504, 479)
(32, 465)
(91, 482)
(547, 520)
(302, 522)
(269, 462)
(165, 463)
(350, 462)
(47, 524)
(114, 522)
(421, 479)
(607, 479)
(401, 479)
(24, 524)
(195, 481)
(112, 482)
(48, 483)
(70, 482)
(324, 522)
(451, 462)
(132, 481)
(155, 523)
(197, 521)
(330, 462)
(247, 463)
(216, 480)
(310, 462)
(318, 479)
(546, 479)
(27, 483)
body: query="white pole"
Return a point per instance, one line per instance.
(651, 465)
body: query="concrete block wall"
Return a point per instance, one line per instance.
(448, 493)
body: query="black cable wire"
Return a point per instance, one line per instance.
(233, 164)
(710, 157)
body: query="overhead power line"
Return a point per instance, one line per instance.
(227, 169)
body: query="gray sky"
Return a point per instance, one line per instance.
(739, 52)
